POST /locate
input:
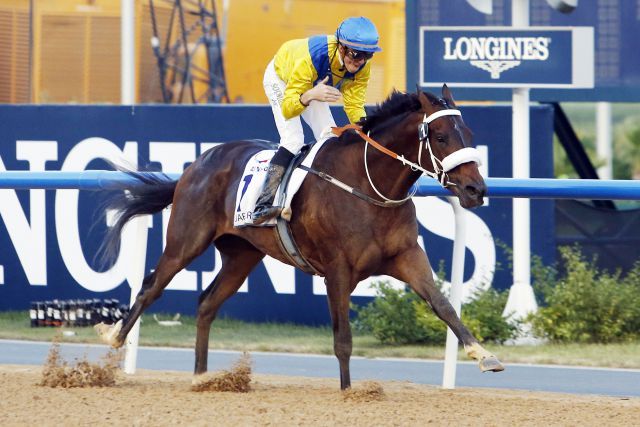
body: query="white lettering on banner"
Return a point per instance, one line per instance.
(29, 237)
(497, 48)
(496, 54)
(283, 276)
(483, 152)
(207, 277)
(483, 168)
(173, 156)
(66, 209)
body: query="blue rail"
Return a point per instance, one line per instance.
(533, 188)
(546, 188)
(53, 180)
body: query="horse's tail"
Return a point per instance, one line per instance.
(150, 193)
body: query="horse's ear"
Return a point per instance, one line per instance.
(447, 96)
(427, 100)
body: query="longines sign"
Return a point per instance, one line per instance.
(536, 57)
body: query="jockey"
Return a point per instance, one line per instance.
(303, 77)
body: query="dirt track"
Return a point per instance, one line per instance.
(165, 398)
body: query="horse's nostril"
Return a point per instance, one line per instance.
(475, 190)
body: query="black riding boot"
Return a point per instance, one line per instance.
(265, 210)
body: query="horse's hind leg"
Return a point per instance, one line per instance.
(413, 267)
(186, 239)
(238, 259)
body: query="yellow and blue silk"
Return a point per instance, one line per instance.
(301, 63)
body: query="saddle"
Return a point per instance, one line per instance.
(250, 185)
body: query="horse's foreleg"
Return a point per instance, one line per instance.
(413, 267)
(236, 266)
(338, 292)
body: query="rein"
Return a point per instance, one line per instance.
(359, 194)
(440, 167)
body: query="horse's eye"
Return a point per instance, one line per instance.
(441, 139)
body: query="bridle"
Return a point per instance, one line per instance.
(440, 167)
(458, 157)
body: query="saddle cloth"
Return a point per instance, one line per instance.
(253, 178)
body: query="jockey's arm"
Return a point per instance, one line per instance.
(300, 81)
(354, 94)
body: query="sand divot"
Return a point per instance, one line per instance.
(236, 380)
(367, 391)
(58, 373)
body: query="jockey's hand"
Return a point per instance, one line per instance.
(321, 92)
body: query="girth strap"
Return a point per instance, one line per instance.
(283, 231)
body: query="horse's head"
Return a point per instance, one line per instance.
(448, 148)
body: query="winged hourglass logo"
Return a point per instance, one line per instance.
(495, 67)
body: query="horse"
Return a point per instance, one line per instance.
(344, 238)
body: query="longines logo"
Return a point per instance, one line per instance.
(496, 54)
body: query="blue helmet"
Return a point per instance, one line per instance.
(358, 34)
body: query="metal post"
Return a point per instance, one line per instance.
(455, 294)
(521, 297)
(128, 97)
(136, 269)
(127, 55)
(604, 139)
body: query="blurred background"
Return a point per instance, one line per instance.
(68, 51)
(215, 51)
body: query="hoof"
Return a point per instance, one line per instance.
(486, 360)
(109, 333)
(199, 379)
(492, 364)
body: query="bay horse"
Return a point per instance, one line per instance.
(344, 238)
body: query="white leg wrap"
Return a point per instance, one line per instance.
(108, 333)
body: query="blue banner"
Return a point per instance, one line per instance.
(499, 57)
(49, 238)
(616, 31)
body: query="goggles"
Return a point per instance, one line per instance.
(358, 55)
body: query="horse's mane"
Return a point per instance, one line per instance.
(391, 111)
(398, 104)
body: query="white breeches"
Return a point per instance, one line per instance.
(317, 115)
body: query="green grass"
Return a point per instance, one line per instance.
(235, 335)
